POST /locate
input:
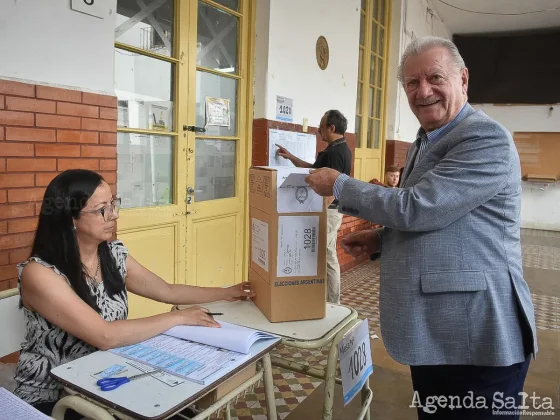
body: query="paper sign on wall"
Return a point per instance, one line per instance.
(297, 245)
(284, 109)
(259, 236)
(302, 145)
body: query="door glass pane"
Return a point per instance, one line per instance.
(210, 85)
(217, 39)
(362, 28)
(375, 8)
(379, 73)
(374, 37)
(146, 24)
(145, 170)
(360, 63)
(230, 4)
(381, 42)
(369, 132)
(359, 99)
(215, 169)
(378, 104)
(381, 15)
(370, 101)
(372, 70)
(374, 139)
(144, 89)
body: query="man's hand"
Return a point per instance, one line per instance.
(322, 181)
(358, 243)
(283, 152)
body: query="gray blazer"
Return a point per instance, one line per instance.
(452, 288)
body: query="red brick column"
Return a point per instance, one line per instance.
(396, 153)
(44, 131)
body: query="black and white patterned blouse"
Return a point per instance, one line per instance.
(46, 346)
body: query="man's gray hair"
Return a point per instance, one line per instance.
(425, 43)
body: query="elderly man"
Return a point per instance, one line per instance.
(453, 301)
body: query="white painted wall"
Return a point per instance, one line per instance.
(410, 19)
(45, 42)
(539, 208)
(285, 62)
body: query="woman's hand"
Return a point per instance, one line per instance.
(240, 291)
(196, 315)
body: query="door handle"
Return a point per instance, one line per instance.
(194, 129)
(190, 190)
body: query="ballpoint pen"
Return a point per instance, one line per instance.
(108, 384)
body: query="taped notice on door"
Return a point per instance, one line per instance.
(259, 235)
(297, 246)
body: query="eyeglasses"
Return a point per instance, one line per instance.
(109, 210)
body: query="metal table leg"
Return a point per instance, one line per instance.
(83, 407)
(269, 388)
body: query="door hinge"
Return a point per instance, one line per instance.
(194, 129)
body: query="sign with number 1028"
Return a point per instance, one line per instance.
(354, 353)
(284, 109)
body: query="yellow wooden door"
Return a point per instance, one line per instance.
(218, 157)
(170, 56)
(370, 104)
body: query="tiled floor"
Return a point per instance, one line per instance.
(390, 382)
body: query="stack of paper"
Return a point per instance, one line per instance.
(230, 336)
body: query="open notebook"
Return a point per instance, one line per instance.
(196, 353)
(11, 407)
(230, 336)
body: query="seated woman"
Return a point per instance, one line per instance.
(74, 287)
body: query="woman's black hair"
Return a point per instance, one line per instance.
(55, 240)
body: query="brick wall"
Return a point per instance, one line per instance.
(260, 157)
(396, 153)
(351, 224)
(43, 131)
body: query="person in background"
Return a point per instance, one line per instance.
(337, 156)
(453, 301)
(392, 175)
(74, 287)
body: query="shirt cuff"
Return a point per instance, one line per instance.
(339, 184)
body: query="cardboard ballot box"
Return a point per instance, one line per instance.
(288, 247)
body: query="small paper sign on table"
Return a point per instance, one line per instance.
(354, 353)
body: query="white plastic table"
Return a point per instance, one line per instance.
(149, 398)
(312, 334)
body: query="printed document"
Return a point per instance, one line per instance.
(13, 408)
(195, 353)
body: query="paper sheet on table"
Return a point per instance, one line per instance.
(13, 408)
